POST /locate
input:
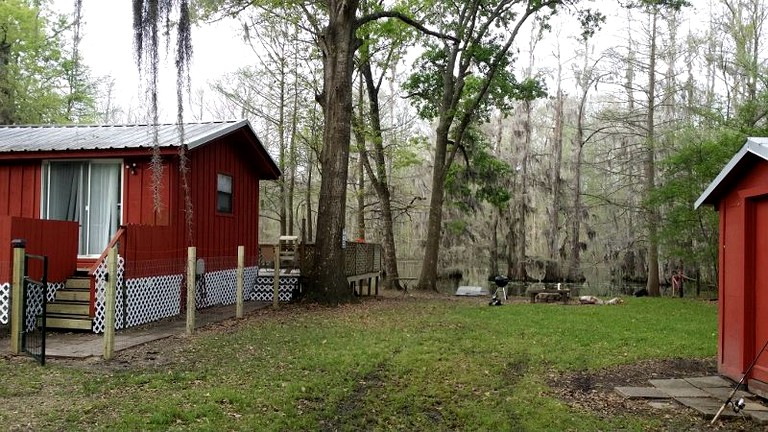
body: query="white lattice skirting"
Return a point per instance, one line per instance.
(34, 305)
(140, 300)
(154, 298)
(220, 287)
(5, 302)
(289, 284)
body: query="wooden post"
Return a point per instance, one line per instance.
(17, 294)
(276, 278)
(191, 282)
(109, 312)
(240, 275)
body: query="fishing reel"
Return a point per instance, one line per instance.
(738, 405)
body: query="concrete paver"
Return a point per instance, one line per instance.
(679, 388)
(702, 394)
(663, 405)
(710, 382)
(759, 416)
(707, 407)
(641, 393)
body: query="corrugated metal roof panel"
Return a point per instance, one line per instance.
(99, 137)
(757, 146)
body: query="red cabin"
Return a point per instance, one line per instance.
(100, 179)
(740, 195)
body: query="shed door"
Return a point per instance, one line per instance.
(87, 192)
(759, 268)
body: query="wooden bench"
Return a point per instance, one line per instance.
(563, 295)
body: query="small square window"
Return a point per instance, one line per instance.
(224, 193)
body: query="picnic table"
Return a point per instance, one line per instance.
(563, 294)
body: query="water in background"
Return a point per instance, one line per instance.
(597, 284)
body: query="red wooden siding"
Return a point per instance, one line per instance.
(55, 239)
(743, 300)
(758, 233)
(20, 189)
(217, 234)
(138, 194)
(152, 251)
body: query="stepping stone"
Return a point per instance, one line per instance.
(707, 407)
(722, 393)
(709, 381)
(758, 416)
(641, 393)
(679, 388)
(663, 405)
(754, 406)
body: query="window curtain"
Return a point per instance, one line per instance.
(65, 192)
(104, 217)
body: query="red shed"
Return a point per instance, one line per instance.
(740, 195)
(100, 177)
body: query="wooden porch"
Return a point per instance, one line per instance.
(362, 263)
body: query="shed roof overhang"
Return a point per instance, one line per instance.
(755, 147)
(98, 141)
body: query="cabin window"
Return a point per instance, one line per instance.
(224, 194)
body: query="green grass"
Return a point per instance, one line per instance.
(426, 364)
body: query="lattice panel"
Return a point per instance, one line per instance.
(52, 288)
(249, 282)
(34, 306)
(218, 288)
(5, 303)
(265, 289)
(151, 299)
(100, 275)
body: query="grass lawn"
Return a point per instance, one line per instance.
(393, 364)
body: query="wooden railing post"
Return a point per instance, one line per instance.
(17, 294)
(109, 312)
(276, 278)
(240, 282)
(191, 282)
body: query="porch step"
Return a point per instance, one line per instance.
(66, 321)
(70, 307)
(78, 283)
(72, 295)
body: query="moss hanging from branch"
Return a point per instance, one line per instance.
(149, 16)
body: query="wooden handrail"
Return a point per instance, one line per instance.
(115, 241)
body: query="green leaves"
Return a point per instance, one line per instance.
(479, 178)
(40, 80)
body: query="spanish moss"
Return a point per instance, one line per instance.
(149, 16)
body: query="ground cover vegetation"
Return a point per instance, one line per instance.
(397, 363)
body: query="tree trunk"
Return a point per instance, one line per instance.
(428, 276)
(360, 199)
(649, 168)
(517, 245)
(574, 259)
(379, 178)
(553, 269)
(7, 113)
(337, 43)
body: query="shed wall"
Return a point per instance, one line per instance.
(741, 306)
(217, 234)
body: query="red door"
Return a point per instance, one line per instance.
(758, 266)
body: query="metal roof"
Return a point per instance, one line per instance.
(757, 146)
(101, 137)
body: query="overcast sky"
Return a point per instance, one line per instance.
(107, 49)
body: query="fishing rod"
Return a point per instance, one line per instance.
(739, 404)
